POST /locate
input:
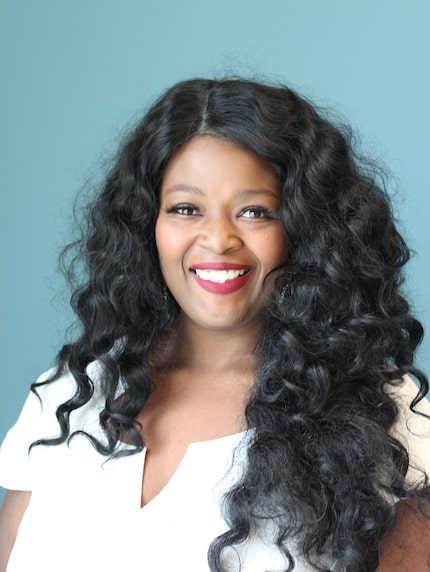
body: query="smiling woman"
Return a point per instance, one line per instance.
(239, 397)
(218, 232)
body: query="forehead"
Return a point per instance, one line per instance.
(207, 162)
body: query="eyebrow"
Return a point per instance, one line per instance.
(185, 188)
(243, 194)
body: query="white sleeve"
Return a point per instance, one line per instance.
(37, 420)
(411, 429)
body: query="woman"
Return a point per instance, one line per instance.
(238, 397)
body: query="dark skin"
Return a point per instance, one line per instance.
(202, 396)
(407, 549)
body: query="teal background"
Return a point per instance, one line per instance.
(74, 74)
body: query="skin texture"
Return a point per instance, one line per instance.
(14, 507)
(407, 549)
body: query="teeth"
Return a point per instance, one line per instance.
(219, 276)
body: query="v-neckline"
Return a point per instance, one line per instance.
(192, 446)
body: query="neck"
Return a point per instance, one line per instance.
(200, 348)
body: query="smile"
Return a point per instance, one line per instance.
(219, 276)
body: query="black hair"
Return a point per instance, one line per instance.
(339, 334)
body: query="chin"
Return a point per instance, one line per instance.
(227, 324)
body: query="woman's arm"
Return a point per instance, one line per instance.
(407, 549)
(14, 507)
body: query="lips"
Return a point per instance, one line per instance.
(221, 277)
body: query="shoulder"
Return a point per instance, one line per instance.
(52, 389)
(38, 415)
(412, 427)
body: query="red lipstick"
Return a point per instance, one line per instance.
(226, 286)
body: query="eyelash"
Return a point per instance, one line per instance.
(190, 210)
(178, 208)
(262, 212)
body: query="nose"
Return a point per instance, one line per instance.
(219, 234)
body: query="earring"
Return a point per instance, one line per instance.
(283, 292)
(165, 294)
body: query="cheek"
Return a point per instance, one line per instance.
(275, 248)
(170, 246)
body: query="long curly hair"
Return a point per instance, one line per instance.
(321, 463)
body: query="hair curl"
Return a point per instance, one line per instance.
(322, 464)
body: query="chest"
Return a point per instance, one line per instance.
(80, 496)
(174, 421)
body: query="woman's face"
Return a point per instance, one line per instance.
(218, 234)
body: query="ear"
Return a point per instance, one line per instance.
(407, 548)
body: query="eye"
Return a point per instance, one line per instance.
(183, 209)
(259, 213)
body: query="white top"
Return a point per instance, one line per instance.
(85, 514)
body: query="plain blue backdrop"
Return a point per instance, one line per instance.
(75, 74)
